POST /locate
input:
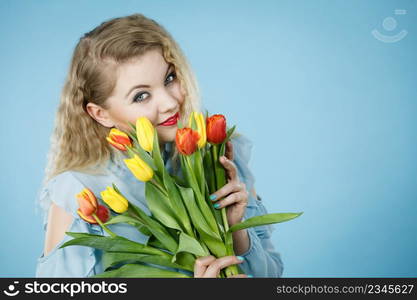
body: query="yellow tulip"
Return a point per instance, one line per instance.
(139, 168)
(145, 133)
(201, 127)
(117, 202)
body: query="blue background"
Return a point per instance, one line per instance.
(331, 111)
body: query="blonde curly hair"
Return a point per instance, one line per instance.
(78, 142)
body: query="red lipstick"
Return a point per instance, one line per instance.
(170, 121)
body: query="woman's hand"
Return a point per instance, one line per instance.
(234, 194)
(210, 267)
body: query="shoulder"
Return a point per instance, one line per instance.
(61, 190)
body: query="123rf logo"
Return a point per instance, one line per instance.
(66, 288)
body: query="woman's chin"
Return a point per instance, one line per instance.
(167, 134)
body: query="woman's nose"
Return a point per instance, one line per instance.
(168, 102)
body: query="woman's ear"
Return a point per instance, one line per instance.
(99, 114)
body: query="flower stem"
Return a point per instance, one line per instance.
(156, 183)
(220, 181)
(112, 234)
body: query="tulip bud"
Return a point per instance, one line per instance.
(139, 168)
(186, 140)
(216, 129)
(145, 133)
(118, 139)
(87, 202)
(201, 127)
(116, 201)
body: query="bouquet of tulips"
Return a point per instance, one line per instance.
(183, 225)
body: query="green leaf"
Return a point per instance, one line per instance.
(122, 219)
(131, 221)
(218, 168)
(194, 124)
(211, 186)
(211, 238)
(177, 205)
(133, 126)
(133, 138)
(154, 226)
(199, 195)
(159, 205)
(264, 220)
(179, 180)
(111, 259)
(115, 244)
(198, 167)
(132, 133)
(156, 154)
(154, 242)
(229, 133)
(115, 188)
(190, 245)
(209, 172)
(186, 259)
(179, 124)
(140, 271)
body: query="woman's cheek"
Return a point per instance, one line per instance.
(179, 92)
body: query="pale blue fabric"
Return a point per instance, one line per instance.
(261, 259)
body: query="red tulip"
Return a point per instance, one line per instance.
(187, 140)
(216, 129)
(103, 213)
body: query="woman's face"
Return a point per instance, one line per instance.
(145, 87)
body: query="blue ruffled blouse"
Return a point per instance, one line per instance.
(260, 260)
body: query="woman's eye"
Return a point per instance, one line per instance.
(139, 97)
(173, 75)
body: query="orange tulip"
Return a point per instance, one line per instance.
(216, 129)
(88, 206)
(187, 140)
(87, 202)
(119, 139)
(103, 213)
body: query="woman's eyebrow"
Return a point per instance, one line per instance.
(145, 85)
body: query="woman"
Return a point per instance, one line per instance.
(126, 68)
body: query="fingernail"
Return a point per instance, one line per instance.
(240, 258)
(250, 276)
(217, 205)
(213, 197)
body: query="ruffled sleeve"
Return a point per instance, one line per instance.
(261, 259)
(71, 261)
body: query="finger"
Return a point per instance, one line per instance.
(238, 276)
(229, 150)
(214, 269)
(231, 187)
(201, 264)
(238, 197)
(230, 167)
